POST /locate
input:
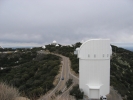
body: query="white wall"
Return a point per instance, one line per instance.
(94, 66)
(94, 73)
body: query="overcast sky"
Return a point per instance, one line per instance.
(39, 22)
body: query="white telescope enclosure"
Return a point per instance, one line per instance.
(94, 67)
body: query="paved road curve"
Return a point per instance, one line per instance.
(61, 86)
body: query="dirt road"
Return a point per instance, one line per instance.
(61, 86)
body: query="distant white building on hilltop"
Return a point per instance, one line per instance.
(43, 46)
(57, 45)
(94, 67)
(54, 43)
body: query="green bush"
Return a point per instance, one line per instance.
(69, 82)
(76, 92)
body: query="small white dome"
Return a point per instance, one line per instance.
(57, 45)
(43, 47)
(54, 41)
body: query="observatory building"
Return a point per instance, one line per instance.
(43, 46)
(94, 67)
(54, 43)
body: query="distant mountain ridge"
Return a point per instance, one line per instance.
(128, 48)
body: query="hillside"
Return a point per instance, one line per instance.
(121, 72)
(32, 73)
(67, 51)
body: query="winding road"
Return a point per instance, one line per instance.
(61, 86)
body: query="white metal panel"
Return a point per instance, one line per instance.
(94, 93)
(95, 73)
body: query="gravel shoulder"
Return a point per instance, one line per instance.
(21, 98)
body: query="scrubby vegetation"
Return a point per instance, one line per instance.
(122, 72)
(67, 51)
(69, 82)
(76, 92)
(9, 60)
(33, 74)
(8, 92)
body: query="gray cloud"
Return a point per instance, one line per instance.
(41, 22)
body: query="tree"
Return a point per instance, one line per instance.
(76, 92)
(69, 82)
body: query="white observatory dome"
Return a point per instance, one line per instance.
(57, 45)
(54, 41)
(43, 47)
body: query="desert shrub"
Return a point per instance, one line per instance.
(8, 92)
(76, 92)
(69, 82)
